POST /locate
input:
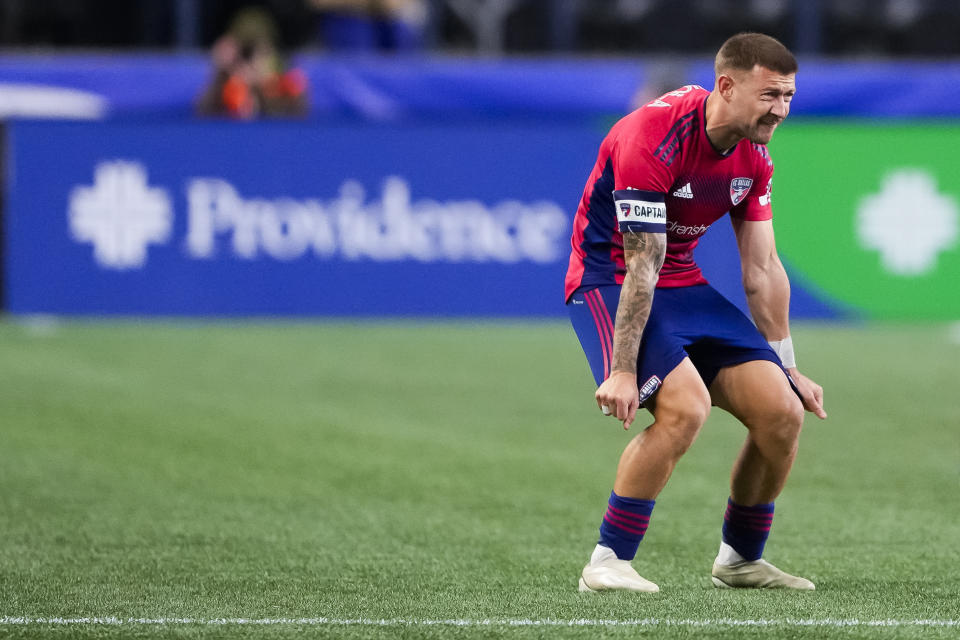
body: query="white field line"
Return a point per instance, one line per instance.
(466, 622)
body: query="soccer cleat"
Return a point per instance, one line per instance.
(756, 574)
(607, 572)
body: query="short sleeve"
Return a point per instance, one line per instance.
(756, 205)
(641, 182)
(636, 167)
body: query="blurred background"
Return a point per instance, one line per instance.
(425, 157)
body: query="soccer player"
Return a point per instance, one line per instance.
(657, 335)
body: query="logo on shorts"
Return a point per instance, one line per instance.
(739, 188)
(649, 388)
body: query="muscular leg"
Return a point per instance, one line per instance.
(681, 407)
(759, 395)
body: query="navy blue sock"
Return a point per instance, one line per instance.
(624, 524)
(746, 528)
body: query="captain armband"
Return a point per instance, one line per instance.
(784, 349)
(640, 211)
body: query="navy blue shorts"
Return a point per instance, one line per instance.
(695, 322)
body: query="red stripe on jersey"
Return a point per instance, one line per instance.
(575, 268)
(579, 243)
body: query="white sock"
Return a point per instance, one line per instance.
(601, 553)
(728, 555)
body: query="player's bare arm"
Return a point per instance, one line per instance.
(767, 288)
(643, 254)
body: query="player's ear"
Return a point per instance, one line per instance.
(725, 84)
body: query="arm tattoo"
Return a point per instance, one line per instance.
(643, 254)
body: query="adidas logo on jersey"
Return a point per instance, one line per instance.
(684, 192)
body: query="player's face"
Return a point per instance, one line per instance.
(761, 99)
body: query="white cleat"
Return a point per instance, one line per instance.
(607, 572)
(756, 574)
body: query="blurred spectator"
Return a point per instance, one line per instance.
(370, 25)
(250, 77)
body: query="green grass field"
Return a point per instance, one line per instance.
(442, 480)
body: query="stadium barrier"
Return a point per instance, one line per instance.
(389, 89)
(444, 219)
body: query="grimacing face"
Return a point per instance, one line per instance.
(761, 101)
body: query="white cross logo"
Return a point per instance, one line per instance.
(120, 215)
(909, 222)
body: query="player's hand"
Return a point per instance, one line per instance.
(619, 397)
(810, 392)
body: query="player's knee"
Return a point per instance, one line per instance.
(791, 417)
(683, 417)
(782, 423)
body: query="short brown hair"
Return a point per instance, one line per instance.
(746, 50)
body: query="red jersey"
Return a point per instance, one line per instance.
(658, 171)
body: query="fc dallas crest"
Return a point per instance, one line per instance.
(739, 188)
